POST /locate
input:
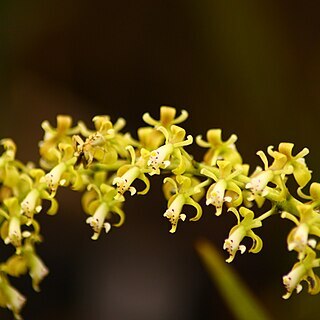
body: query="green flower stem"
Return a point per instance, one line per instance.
(267, 214)
(242, 180)
(107, 167)
(198, 166)
(274, 195)
(290, 205)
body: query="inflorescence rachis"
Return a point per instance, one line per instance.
(104, 164)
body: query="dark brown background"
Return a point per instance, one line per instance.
(250, 69)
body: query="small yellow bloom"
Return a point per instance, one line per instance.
(167, 117)
(11, 298)
(101, 204)
(303, 270)
(97, 221)
(54, 178)
(11, 228)
(232, 244)
(127, 174)
(216, 195)
(183, 196)
(173, 213)
(241, 230)
(309, 224)
(31, 203)
(150, 138)
(170, 152)
(259, 182)
(52, 136)
(10, 150)
(124, 182)
(159, 158)
(287, 164)
(15, 266)
(225, 181)
(299, 238)
(14, 235)
(219, 150)
(37, 269)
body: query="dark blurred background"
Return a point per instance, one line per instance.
(250, 68)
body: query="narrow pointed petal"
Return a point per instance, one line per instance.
(257, 242)
(121, 215)
(143, 178)
(198, 208)
(301, 174)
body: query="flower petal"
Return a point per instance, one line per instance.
(191, 202)
(257, 242)
(301, 174)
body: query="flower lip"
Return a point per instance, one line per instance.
(124, 182)
(29, 204)
(173, 213)
(53, 178)
(259, 182)
(299, 239)
(14, 235)
(215, 195)
(292, 280)
(97, 221)
(232, 244)
(159, 158)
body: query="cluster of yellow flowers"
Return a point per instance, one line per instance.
(104, 164)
